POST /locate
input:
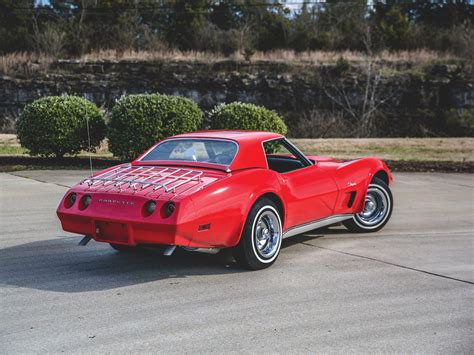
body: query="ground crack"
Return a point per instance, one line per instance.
(390, 263)
(44, 182)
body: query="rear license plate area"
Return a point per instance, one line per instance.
(112, 232)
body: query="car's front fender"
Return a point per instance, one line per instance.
(355, 176)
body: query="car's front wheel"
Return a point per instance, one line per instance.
(260, 242)
(377, 210)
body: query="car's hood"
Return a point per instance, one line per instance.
(152, 182)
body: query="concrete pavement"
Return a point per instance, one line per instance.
(407, 288)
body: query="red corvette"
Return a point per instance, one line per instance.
(226, 189)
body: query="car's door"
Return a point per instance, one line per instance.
(310, 193)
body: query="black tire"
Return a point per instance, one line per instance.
(377, 190)
(256, 253)
(123, 248)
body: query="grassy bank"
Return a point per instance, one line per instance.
(402, 154)
(395, 149)
(10, 146)
(29, 63)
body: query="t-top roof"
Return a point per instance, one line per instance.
(250, 153)
(235, 135)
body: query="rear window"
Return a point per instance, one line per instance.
(194, 150)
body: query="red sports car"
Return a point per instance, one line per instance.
(226, 189)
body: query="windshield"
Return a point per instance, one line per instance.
(194, 150)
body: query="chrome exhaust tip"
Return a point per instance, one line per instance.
(169, 250)
(85, 240)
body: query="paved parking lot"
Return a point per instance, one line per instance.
(407, 288)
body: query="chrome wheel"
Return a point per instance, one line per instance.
(376, 207)
(267, 234)
(260, 243)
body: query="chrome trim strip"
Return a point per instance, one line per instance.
(202, 250)
(306, 227)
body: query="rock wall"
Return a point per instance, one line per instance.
(290, 89)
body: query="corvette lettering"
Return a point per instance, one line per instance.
(117, 202)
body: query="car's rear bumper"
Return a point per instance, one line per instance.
(126, 232)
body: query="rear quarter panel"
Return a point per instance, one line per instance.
(226, 203)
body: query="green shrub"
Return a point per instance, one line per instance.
(57, 125)
(138, 121)
(243, 116)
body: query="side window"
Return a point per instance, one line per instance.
(281, 157)
(275, 147)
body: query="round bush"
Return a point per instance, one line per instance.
(243, 116)
(138, 121)
(57, 125)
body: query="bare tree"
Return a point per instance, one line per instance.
(360, 99)
(246, 42)
(315, 123)
(36, 31)
(49, 39)
(78, 29)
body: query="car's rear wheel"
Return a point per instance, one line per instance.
(377, 210)
(121, 247)
(260, 242)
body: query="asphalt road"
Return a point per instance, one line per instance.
(408, 288)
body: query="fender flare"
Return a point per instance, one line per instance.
(380, 170)
(254, 197)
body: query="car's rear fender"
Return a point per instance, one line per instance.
(222, 208)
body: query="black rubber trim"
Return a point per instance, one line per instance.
(351, 199)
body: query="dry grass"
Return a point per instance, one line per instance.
(29, 63)
(24, 63)
(313, 57)
(10, 146)
(317, 57)
(407, 149)
(144, 56)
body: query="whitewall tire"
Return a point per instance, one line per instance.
(377, 209)
(260, 243)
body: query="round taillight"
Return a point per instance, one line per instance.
(70, 200)
(168, 208)
(149, 208)
(85, 202)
